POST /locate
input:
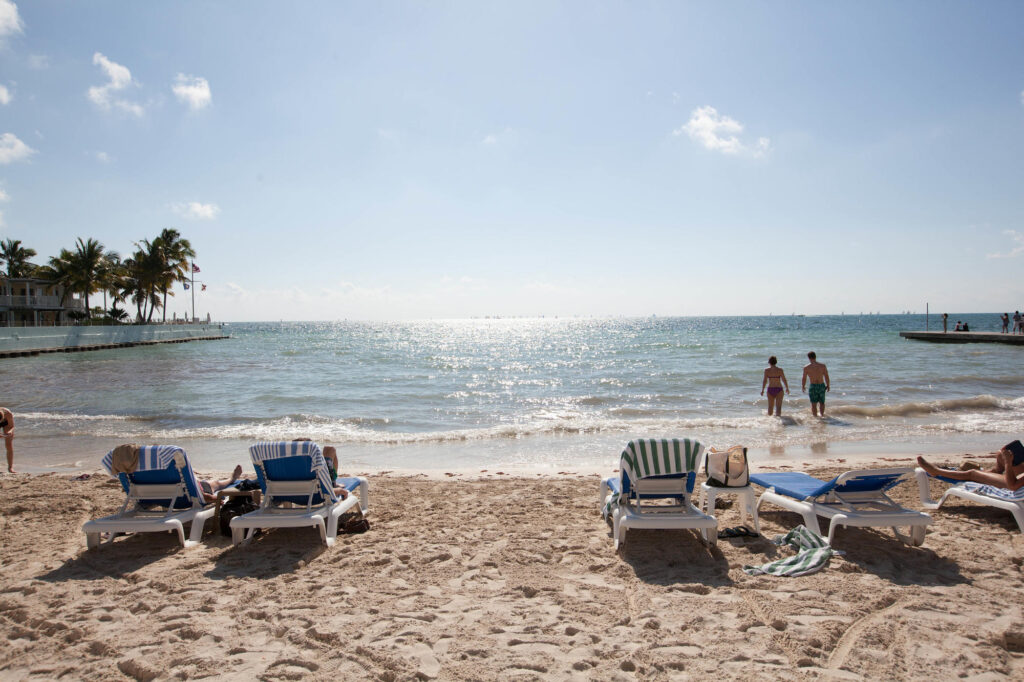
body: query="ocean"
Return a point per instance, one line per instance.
(520, 394)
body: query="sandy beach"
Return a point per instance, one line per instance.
(496, 577)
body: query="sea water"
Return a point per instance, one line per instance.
(543, 394)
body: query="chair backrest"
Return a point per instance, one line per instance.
(658, 468)
(159, 466)
(870, 480)
(283, 467)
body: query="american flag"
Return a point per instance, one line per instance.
(195, 268)
(204, 288)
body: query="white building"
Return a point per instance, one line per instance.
(32, 302)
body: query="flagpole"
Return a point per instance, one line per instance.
(193, 291)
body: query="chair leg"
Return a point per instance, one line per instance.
(92, 540)
(1018, 515)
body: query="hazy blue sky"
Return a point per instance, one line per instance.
(445, 159)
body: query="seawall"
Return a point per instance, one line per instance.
(21, 341)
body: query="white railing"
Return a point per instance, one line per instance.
(41, 302)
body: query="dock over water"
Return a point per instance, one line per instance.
(26, 341)
(965, 337)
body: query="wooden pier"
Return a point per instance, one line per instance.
(965, 337)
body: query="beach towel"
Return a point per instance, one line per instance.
(644, 458)
(992, 491)
(264, 451)
(814, 553)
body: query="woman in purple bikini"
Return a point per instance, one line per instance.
(774, 378)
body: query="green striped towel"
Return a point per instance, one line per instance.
(644, 458)
(814, 553)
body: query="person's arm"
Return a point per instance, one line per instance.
(803, 381)
(9, 429)
(764, 382)
(783, 377)
(1013, 481)
(828, 382)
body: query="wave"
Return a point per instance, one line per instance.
(916, 409)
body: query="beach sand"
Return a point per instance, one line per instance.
(499, 578)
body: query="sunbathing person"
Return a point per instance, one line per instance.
(211, 488)
(331, 457)
(1008, 471)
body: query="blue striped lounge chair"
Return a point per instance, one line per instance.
(1001, 498)
(654, 489)
(855, 498)
(298, 492)
(162, 494)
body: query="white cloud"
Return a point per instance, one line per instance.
(1018, 245)
(1022, 96)
(5, 95)
(10, 22)
(720, 133)
(12, 149)
(38, 62)
(120, 78)
(194, 210)
(103, 157)
(193, 91)
(4, 196)
(492, 139)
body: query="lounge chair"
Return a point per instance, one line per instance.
(855, 498)
(1002, 498)
(297, 492)
(651, 474)
(162, 494)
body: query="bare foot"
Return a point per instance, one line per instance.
(237, 473)
(930, 468)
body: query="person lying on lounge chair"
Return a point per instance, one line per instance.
(1008, 471)
(210, 488)
(331, 456)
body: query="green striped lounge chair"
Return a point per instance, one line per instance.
(989, 495)
(161, 495)
(654, 489)
(298, 492)
(854, 498)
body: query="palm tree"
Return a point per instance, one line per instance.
(16, 257)
(174, 252)
(141, 278)
(110, 273)
(84, 267)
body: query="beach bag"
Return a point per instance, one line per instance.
(727, 468)
(236, 506)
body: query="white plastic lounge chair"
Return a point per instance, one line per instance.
(1001, 498)
(855, 498)
(162, 494)
(651, 473)
(298, 492)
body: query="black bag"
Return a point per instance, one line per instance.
(236, 506)
(360, 525)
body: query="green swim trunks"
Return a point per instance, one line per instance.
(817, 393)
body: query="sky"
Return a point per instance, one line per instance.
(402, 160)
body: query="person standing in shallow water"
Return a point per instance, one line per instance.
(817, 373)
(7, 430)
(774, 378)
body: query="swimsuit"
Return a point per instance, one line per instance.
(816, 392)
(774, 390)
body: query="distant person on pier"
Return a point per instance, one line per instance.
(817, 374)
(945, 319)
(957, 327)
(1006, 322)
(1016, 322)
(774, 378)
(1008, 471)
(7, 428)
(965, 328)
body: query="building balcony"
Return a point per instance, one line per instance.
(40, 303)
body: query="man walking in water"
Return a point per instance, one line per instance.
(817, 373)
